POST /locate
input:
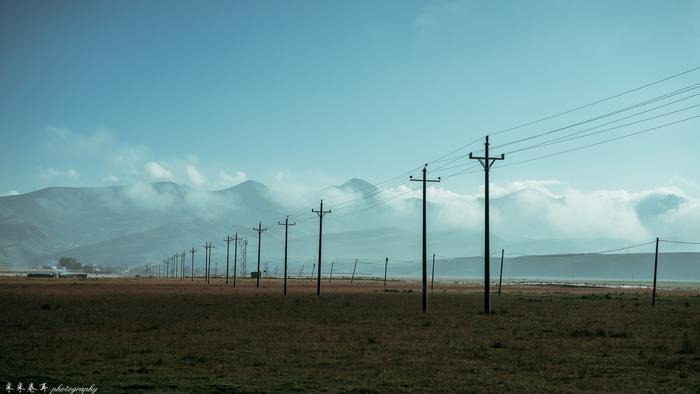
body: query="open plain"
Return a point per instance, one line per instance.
(155, 335)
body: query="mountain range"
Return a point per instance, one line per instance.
(130, 225)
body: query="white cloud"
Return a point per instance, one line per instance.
(113, 178)
(57, 173)
(10, 193)
(145, 196)
(530, 209)
(156, 171)
(194, 175)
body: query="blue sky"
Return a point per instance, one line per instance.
(315, 92)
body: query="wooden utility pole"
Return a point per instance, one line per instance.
(301, 271)
(207, 249)
(286, 225)
(656, 263)
(353, 272)
(235, 257)
(432, 276)
(486, 162)
(331, 274)
(192, 251)
(500, 278)
(321, 213)
(386, 265)
(425, 250)
(259, 230)
(228, 240)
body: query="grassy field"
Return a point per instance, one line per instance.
(143, 335)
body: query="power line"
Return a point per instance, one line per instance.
(680, 242)
(595, 102)
(593, 119)
(578, 135)
(600, 142)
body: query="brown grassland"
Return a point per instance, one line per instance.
(159, 336)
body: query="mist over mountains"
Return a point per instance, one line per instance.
(134, 224)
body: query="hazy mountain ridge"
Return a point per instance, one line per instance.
(132, 224)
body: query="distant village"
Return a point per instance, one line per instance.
(70, 267)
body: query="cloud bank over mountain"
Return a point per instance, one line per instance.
(139, 222)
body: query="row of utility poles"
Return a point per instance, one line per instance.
(174, 266)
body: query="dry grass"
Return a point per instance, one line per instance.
(161, 336)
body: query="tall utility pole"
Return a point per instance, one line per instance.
(182, 275)
(486, 162)
(432, 276)
(352, 278)
(211, 246)
(192, 251)
(259, 230)
(206, 261)
(320, 214)
(500, 276)
(207, 264)
(235, 255)
(330, 276)
(656, 263)
(286, 225)
(425, 249)
(386, 265)
(228, 240)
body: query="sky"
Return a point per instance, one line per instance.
(312, 93)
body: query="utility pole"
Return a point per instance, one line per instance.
(656, 263)
(286, 225)
(500, 278)
(235, 257)
(353, 272)
(330, 277)
(207, 249)
(301, 271)
(386, 265)
(320, 214)
(192, 251)
(228, 240)
(182, 272)
(206, 262)
(432, 276)
(486, 162)
(425, 250)
(259, 230)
